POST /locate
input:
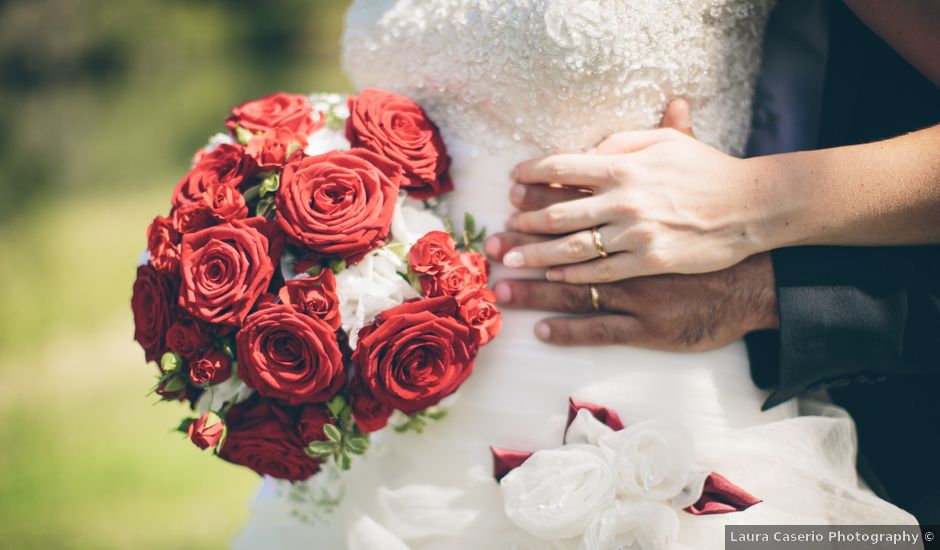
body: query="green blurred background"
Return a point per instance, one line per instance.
(102, 103)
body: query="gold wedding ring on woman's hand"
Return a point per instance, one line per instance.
(598, 242)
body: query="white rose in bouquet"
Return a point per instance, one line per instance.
(412, 221)
(369, 288)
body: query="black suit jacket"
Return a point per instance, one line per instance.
(864, 323)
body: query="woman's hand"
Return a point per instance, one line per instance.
(662, 202)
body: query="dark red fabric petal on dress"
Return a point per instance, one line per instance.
(720, 496)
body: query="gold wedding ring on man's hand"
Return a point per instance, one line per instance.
(598, 243)
(595, 298)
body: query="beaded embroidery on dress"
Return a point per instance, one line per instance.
(507, 80)
(563, 74)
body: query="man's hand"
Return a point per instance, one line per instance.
(666, 312)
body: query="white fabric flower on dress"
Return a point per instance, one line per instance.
(369, 288)
(411, 221)
(633, 525)
(652, 459)
(585, 428)
(556, 493)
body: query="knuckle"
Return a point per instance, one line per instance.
(619, 170)
(554, 218)
(557, 169)
(622, 209)
(657, 259)
(576, 247)
(605, 272)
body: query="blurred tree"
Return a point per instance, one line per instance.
(100, 95)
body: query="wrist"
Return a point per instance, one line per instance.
(772, 205)
(760, 295)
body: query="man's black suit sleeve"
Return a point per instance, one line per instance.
(844, 318)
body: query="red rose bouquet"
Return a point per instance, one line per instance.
(303, 288)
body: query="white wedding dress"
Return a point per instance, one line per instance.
(507, 80)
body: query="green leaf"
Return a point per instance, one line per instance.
(265, 207)
(469, 224)
(292, 148)
(252, 193)
(184, 425)
(336, 405)
(345, 420)
(315, 270)
(345, 461)
(332, 433)
(436, 414)
(398, 249)
(269, 184)
(319, 449)
(357, 445)
(338, 265)
(242, 135)
(449, 226)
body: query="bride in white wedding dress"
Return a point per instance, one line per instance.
(509, 80)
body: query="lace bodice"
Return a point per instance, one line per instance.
(562, 74)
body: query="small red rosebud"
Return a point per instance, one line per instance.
(207, 431)
(213, 367)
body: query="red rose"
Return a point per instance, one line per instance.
(312, 420)
(227, 165)
(152, 303)
(263, 436)
(192, 217)
(340, 203)
(286, 355)
(225, 203)
(271, 232)
(431, 253)
(225, 269)
(289, 111)
(187, 338)
(396, 127)
(315, 296)
(478, 309)
(207, 430)
(468, 271)
(163, 244)
(213, 367)
(271, 149)
(370, 414)
(415, 354)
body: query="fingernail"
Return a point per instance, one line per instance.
(514, 175)
(513, 258)
(491, 246)
(542, 330)
(511, 224)
(503, 292)
(517, 193)
(554, 275)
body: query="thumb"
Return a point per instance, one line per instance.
(678, 116)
